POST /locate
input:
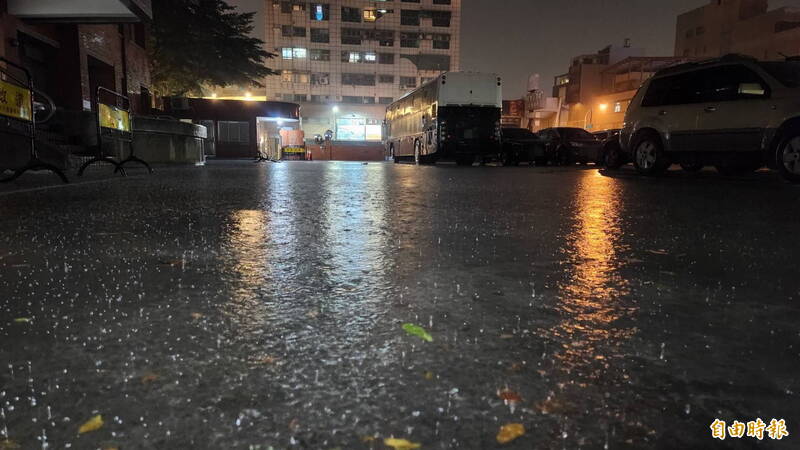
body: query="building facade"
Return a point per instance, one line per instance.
(577, 89)
(746, 27)
(71, 48)
(596, 91)
(343, 61)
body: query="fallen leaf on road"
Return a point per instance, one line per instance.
(9, 445)
(313, 314)
(401, 444)
(22, 320)
(510, 432)
(197, 316)
(509, 396)
(171, 262)
(658, 252)
(428, 375)
(93, 424)
(507, 336)
(367, 439)
(416, 330)
(149, 378)
(265, 360)
(516, 367)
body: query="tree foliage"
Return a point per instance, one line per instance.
(197, 43)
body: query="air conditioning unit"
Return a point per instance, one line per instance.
(179, 103)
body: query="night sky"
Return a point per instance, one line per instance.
(522, 37)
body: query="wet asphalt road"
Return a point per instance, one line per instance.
(248, 306)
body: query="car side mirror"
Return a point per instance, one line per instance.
(752, 89)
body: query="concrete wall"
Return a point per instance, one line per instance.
(169, 141)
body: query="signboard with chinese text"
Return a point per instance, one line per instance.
(114, 118)
(15, 101)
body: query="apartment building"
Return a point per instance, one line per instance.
(343, 61)
(747, 27)
(576, 90)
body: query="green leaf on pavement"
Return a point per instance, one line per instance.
(416, 330)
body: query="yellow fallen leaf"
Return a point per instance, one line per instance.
(197, 316)
(22, 320)
(367, 439)
(9, 445)
(401, 444)
(510, 432)
(265, 360)
(93, 424)
(149, 378)
(428, 375)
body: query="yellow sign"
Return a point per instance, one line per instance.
(114, 118)
(15, 101)
(294, 150)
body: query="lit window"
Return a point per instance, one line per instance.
(370, 15)
(287, 53)
(354, 57)
(370, 57)
(299, 53)
(618, 107)
(286, 76)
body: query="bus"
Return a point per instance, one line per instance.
(454, 117)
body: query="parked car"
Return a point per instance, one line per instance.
(611, 154)
(521, 145)
(735, 113)
(567, 146)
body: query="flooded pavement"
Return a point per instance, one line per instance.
(262, 306)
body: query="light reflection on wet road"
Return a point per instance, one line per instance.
(247, 306)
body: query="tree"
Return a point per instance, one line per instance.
(197, 43)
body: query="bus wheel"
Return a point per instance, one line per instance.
(465, 160)
(417, 152)
(395, 158)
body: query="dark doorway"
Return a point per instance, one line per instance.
(40, 59)
(100, 75)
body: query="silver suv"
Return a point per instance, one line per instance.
(735, 113)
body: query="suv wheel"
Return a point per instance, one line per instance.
(507, 158)
(612, 157)
(788, 157)
(563, 157)
(648, 155)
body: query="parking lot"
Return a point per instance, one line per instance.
(262, 306)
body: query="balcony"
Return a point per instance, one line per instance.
(81, 11)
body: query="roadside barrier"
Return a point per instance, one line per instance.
(113, 123)
(19, 118)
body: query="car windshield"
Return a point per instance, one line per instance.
(575, 133)
(518, 133)
(788, 73)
